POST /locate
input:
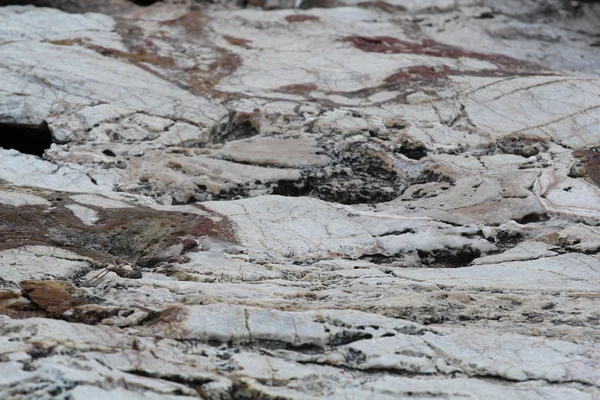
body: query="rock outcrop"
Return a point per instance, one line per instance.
(296, 200)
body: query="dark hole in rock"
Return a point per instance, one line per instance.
(291, 188)
(28, 139)
(109, 153)
(448, 258)
(531, 218)
(413, 152)
(486, 15)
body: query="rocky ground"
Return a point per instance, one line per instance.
(332, 199)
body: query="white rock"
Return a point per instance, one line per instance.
(18, 199)
(87, 215)
(40, 262)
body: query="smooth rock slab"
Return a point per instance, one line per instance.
(567, 272)
(17, 199)
(465, 130)
(295, 227)
(281, 152)
(84, 392)
(519, 358)
(40, 262)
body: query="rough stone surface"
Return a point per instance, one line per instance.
(299, 199)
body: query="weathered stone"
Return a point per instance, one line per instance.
(361, 200)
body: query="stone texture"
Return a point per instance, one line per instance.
(328, 199)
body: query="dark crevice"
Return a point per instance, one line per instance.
(413, 152)
(193, 382)
(27, 139)
(291, 188)
(438, 258)
(531, 218)
(398, 233)
(447, 258)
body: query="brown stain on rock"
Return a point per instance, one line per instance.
(146, 54)
(136, 235)
(429, 47)
(18, 307)
(168, 323)
(54, 297)
(301, 18)
(91, 314)
(298, 88)
(203, 81)
(141, 55)
(224, 229)
(136, 56)
(193, 22)
(591, 163)
(382, 5)
(420, 73)
(68, 42)
(235, 41)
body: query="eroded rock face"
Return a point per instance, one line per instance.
(324, 200)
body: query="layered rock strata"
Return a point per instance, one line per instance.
(297, 200)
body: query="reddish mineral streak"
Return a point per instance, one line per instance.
(223, 229)
(298, 88)
(236, 41)
(420, 72)
(429, 47)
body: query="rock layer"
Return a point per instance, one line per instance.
(323, 200)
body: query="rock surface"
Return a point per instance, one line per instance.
(294, 200)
